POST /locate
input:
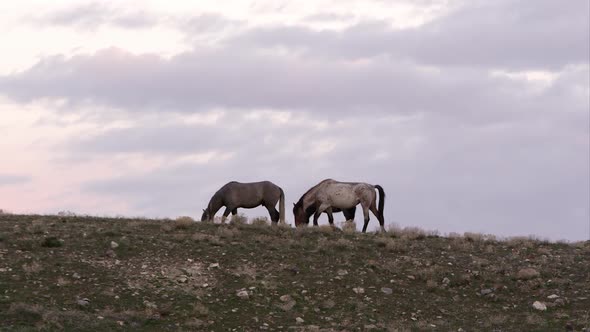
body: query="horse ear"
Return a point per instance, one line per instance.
(294, 204)
(203, 210)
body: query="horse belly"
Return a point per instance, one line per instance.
(343, 199)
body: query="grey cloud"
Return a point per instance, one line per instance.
(12, 179)
(203, 79)
(93, 15)
(505, 34)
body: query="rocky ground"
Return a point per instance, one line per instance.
(87, 273)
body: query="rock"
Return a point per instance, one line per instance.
(111, 253)
(83, 302)
(328, 304)
(76, 276)
(150, 305)
(553, 297)
(114, 245)
(539, 306)
(370, 327)
(214, 265)
(243, 295)
(342, 273)
(387, 290)
(527, 274)
(182, 279)
(287, 306)
(446, 281)
(359, 290)
(299, 320)
(486, 291)
(411, 277)
(286, 298)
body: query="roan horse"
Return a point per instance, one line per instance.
(310, 210)
(236, 195)
(332, 196)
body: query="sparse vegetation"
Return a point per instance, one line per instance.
(129, 274)
(183, 222)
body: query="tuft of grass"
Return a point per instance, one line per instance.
(227, 232)
(349, 227)
(342, 244)
(183, 222)
(32, 268)
(239, 219)
(206, 238)
(398, 245)
(260, 222)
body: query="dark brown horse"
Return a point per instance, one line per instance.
(236, 195)
(331, 196)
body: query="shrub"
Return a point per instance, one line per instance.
(239, 219)
(51, 242)
(260, 221)
(349, 227)
(225, 232)
(183, 222)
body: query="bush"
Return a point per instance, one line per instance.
(349, 227)
(260, 221)
(51, 242)
(183, 222)
(239, 219)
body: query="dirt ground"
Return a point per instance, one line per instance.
(104, 274)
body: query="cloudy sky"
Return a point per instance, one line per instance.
(473, 115)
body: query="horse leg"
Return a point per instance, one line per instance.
(273, 213)
(319, 211)
(366, 214)
(330, 216)
(375, 212)
(225, 214)
(316, 215)
(349, 213)
(234, 213)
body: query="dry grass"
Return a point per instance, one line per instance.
(228, 232)
(163, 278)
(239, 219)
(260, 222)
(211, 239)
(349, 227)
(411, 233)
(31, 268)
(183, 222)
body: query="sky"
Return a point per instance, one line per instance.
(473, 115)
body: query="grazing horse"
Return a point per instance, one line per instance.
(236, 195)
(330, 196)
(311, 208)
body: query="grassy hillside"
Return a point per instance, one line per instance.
(119, 274)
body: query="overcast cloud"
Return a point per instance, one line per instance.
(474, 119)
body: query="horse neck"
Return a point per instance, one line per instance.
(215, 203)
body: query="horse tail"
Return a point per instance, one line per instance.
(282, 207)
(381, 201)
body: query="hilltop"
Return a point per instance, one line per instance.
(89, 273)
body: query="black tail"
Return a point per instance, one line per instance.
(381, 202)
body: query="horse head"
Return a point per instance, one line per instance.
(205, 216)
(299, 214)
